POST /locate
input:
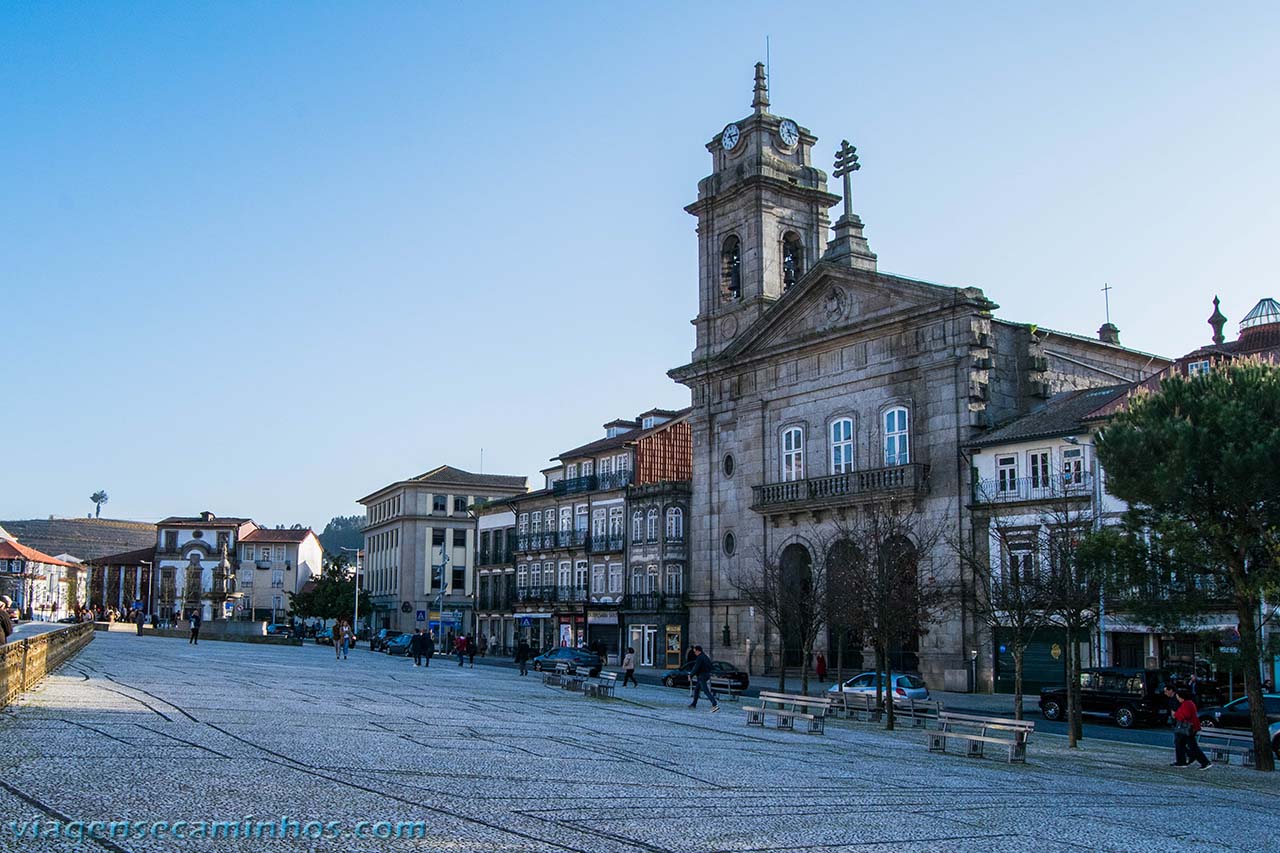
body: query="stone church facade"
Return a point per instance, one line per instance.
(820, 384)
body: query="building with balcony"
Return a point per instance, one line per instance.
(571, 544)
(274, 564)
(496, 575)
(197, 565)
(821, 385)
(420, 548)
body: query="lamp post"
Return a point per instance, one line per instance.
(1095, 509)
(973, 670)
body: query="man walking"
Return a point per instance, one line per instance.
(194, 623)
(471, 650)
(700, 674)
(139, 618)
(522, 656)
(416, 644)
(460, 649)
(428, 647)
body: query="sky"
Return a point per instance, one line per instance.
(265, 258)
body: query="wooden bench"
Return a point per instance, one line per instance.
(601, 686)
(1219, 746)
(860, 706)
(918, 711)
(979, 732)
(724, 689)
(555, 677)
(786, 708)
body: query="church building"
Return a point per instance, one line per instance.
(820, 385)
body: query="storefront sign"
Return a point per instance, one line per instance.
(602, 617)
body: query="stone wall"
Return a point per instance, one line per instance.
(24, 663)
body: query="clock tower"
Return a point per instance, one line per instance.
(762, 220)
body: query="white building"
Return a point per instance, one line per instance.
(190, 568)
(273, 564)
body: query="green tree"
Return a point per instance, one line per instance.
(1199, 464)
(99, 498)
(333, 594)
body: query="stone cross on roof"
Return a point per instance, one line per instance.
(846, 165)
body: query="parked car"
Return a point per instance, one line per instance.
(324, 637)
(398, 645)
(1129, 696)
(905, 685)
(1235, 715)
(719, 669)
(1275, 739)
(279, 629)
(575, 658)
(379, 641)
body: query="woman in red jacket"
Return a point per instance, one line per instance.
(1186, 722)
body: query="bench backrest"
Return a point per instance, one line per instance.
(562, 667)
(791, 701)
(1242, 738)
(949, 721)
(608, 676)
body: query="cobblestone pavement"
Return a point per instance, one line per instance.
(150, 729)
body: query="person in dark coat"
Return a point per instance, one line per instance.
(6, 623)
(700, 676)
(194, 623)
(417, 644)
(471, 650)
(522, 656)
(428, 647)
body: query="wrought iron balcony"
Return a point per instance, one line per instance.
(574, 485)
(653, 601)
(1033, 489)
(605, 544)
(614, 480)
(851, 487)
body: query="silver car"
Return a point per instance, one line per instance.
(904, 686)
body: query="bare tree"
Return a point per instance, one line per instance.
(873, 561)
(1010, 596)
(790, 592)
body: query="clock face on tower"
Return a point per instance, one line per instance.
(789, 133)
(729, 136)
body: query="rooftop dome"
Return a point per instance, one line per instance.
(1266, 312)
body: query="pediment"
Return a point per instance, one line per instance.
(829, 301)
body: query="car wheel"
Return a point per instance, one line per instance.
(1125, 717)
(1275, 746)
(668, 682)
(1051, 710)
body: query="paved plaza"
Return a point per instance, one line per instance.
(155, 730)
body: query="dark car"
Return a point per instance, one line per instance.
(1235, 715)
(575, 658)
(398, 645)
(719, 670)
(280, 630)
(1128, 696)
(380, 639)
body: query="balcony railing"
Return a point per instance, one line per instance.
(550, 594)
(574, 485)
(613, 480)
(653, 601)
(838, 489)
(571, 538)
(262, 564)
(1011, 490)
(604, 544)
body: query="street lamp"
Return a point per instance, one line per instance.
(973, 669)
(1095, 509)
(355, 617)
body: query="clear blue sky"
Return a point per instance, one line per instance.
(265, 258)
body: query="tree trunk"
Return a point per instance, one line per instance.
(782, 664)
(804, 668)
(1073, 684)
(1017, 680)
(841, 636)
(889, 695)
(1251, 654)
(880, 656)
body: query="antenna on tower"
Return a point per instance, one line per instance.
(482, 460)
(768, 67)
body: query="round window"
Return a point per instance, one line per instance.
(728, 464)
(730, 544)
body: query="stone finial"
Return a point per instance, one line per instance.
(760, 95)
(1217, 321)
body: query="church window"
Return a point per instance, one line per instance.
(841, 445)
(793, 454)
(792, 260)
(731, 269)
(896, 437)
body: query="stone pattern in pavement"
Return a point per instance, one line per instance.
(155, 729)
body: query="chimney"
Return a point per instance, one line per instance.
(1109, 333)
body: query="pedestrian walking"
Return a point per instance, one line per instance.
(6, 622)
(629, 668)
(1186, 724)
(460, 649)
(821, 668)
(522, 656)
(417, 645)
(428, 648)
(700, 676)
(139, 618)
(194, 624)
(471, 650)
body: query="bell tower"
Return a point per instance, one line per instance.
(762, 219)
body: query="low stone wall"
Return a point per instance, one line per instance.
(216, 636)
(23, 663)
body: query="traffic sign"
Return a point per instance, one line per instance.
(525, 622)
(421, 616)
